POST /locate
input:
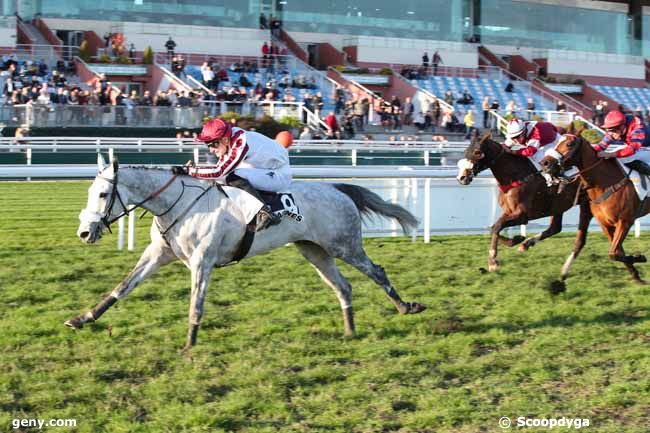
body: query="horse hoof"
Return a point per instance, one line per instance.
(640, 258)
(517, 240)
(415, 308)
(557, 287)
(523, 248)
(75, 323)
(483, 270)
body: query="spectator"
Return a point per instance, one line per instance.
(425, 61)
(305, 134)
(495, 109)
(509, 87)
(466, 98)
(485, 106)
(469, 124)
(263, 23)
(530, 108)
(560, 106)
(207, 75)
(396, 111)
(419, 121)
(132, 52)
(408, 110)
(170, 45)
(9, 87)
(511, 108)
(265, 54)
(449, 98)
(436, 61)
(333, 130)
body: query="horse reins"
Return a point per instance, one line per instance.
(116, 194)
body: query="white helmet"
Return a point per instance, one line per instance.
(514, 128)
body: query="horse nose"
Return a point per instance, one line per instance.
(462, 178)
(545, 163)
(84, 234)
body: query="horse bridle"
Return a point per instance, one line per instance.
(475, 168)
(573, 149)
(115, 194)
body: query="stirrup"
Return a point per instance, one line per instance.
(266, 219)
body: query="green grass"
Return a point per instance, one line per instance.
(271, 356)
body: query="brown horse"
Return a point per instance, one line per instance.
(524, 196)
(613, 199)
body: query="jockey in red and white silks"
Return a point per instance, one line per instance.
(625, 138)
(247, 160)
(531, 139)
(250, 155)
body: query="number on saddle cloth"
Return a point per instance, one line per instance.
(282, 203)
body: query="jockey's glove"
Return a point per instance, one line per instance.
(179, 169)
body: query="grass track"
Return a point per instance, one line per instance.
(271, 356)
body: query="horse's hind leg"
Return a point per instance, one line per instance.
(553, 229)
(157, 254)
(581, 238)
(360, 260)
(329, 272)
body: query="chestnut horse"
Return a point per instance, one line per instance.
(613, 199)
(524, 196)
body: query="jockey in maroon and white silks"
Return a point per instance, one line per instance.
(251, 155)
(247, 160)
(531, 139)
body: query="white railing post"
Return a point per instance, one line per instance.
(111, 153)
(196, 155)
(354, 157)
(120, 234)
(427, 210)
(637, 228)
(426, 158)
(522, 230)
(131, 240)
(29, 160)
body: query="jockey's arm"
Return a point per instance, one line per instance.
(228, 163)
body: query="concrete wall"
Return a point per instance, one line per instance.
(8, 36)
(403, 56)
(189, 39)
(573, 67)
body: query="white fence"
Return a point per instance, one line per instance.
(442, 205)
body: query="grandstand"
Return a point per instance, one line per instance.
(632, 98)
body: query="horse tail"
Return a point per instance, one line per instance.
(368, 203)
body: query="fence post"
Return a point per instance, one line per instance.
(29, 160)
(120, 234)
(427, 210)
(637, 228)
(426, 158)
(354, 157)
(131, 240)
(196, 155)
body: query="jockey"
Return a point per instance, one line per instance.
(531, 139)
(247, 160)
(626, 135)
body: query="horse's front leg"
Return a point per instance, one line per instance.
(506, 220)
(617, 253)
(553, 229)
(201, 271)
(157, 254)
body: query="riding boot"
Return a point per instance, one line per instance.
(265, 218)
(639, 166)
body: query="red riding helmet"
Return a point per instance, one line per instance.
(214, 130)
(614, 119)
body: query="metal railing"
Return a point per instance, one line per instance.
(56, 115)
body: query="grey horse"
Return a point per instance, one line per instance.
(203, 228)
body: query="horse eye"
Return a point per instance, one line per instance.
(102, 195)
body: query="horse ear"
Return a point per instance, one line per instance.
(116, 164)
(101, 164)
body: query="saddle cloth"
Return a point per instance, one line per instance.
(282, 203)
(641, 182)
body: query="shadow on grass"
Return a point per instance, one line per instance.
(622, 317)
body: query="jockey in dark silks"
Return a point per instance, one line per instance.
(625, 139)
(247, 160)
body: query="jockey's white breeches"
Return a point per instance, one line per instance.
(277, 180)
(642, 154)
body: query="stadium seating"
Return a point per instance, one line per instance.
(480, 88)
(631, 97)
